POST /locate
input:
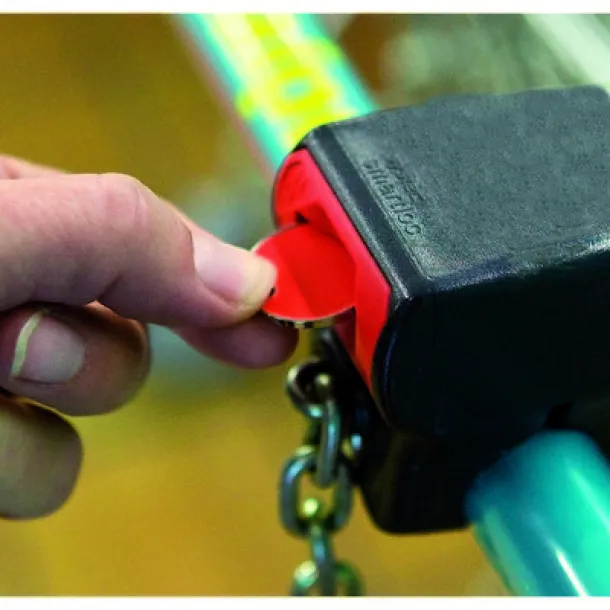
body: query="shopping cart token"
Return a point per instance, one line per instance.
(315, 278)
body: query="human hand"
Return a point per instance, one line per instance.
(85, 262)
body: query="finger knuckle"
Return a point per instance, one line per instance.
(7, 167)
(125, 204)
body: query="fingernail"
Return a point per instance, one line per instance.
(236, 275)
(47, 351)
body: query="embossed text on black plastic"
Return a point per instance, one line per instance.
(397, 195)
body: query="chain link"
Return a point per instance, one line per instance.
(325, 458)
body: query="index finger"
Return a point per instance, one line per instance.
(76, 239)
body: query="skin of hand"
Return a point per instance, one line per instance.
(86, 261)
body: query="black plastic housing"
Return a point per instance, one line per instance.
(490, 218)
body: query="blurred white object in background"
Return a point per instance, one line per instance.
(446, 54)
(582, 42)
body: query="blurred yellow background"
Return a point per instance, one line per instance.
(178, 491)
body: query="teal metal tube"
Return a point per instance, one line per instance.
(542, 515)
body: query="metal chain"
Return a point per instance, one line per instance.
(325, 457)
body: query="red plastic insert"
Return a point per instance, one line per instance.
(302, 193)
(309, 292)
